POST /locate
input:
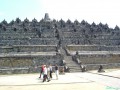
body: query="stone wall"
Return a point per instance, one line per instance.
(92, 48)
(94, 55)
(27, 64)
(29, 41)
(28, 48)
(99, 59)
(93, 61)
(27, 58)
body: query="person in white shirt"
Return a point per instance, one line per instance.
(45, 74)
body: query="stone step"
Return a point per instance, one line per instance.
(67, 59)
(74, 67)
(70, 62)
(75, 70)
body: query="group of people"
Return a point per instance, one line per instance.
(46, 72)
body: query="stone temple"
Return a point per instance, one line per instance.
(25, 45)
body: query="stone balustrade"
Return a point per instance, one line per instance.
(28, 48)
(92, 48)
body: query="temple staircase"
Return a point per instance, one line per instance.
(74, 67)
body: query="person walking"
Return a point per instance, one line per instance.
(42, 70)
(50, 71)
(45, 74)
(56, 71)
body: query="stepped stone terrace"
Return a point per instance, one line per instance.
(26, 44)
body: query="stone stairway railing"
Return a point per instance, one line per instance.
(73, 66)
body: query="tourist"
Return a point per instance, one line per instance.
(101, 69)
(45, 74)
(42, 70)
(64, 62)
(67, 69)
(83, 68)
(50, 71)
(56, 71)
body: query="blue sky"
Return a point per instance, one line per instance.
(105, 11)
(11, 9)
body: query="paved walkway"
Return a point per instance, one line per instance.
(109, 72)
(69, 81)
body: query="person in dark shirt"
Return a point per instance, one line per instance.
(56, 71)
(50, 71)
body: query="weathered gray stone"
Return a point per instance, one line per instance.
(29, 43)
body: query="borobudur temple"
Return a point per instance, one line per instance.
(26, 45)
